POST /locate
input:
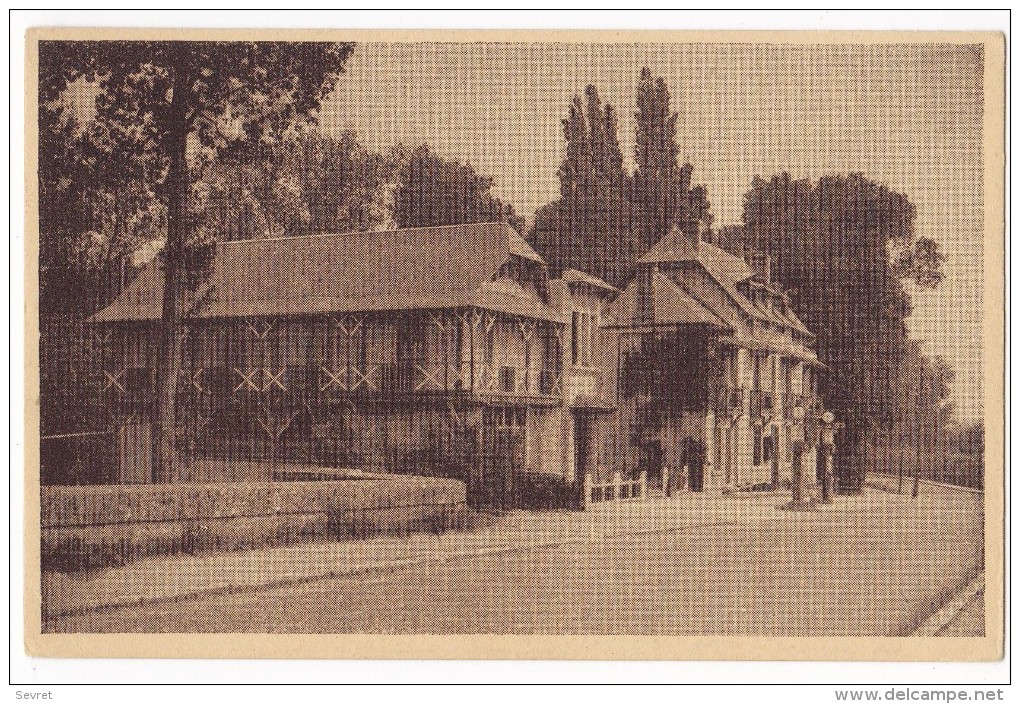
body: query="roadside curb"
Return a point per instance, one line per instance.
(926, 482)
(933, 625)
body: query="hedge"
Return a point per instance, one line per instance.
(89, 527)
(525, 490)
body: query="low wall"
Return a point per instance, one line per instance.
(88, 527)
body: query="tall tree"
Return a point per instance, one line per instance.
(663, 194)
(244, 196)
(94, 208)
(729, 238)
(605, 218)
(609, 195)
(307, 182)
(588, 227)
(346, 185)
(160, 96)
(96, 205)
(432, 190)
(839, 246)
(923, 422)
(563, 230)
(575, 171)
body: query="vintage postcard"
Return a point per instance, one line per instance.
(646, 345)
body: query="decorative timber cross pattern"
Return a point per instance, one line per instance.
(259, 328)
(273, 381)
(247, 380)
(113, 381)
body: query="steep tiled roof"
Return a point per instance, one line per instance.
(674, 247)
(416, 268)
(670, 305)
(726, 269)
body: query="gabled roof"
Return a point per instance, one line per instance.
(518, 245)
(416, 268)
(674, 247)
(726, 269)
(670, 305)
(573, 276)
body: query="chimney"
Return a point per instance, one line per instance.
(646, 294)
(760, 262)
(693, 233)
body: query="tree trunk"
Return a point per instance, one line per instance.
(166, 469)
(851, 474)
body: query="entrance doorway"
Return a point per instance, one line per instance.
(694, 458)
(651, 462)
(583, 441)
(503, 443)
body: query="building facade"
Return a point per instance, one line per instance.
(448, 351)
(713, 361)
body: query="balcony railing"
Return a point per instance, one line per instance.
(308, 382)
(811, 404)
(520, 381)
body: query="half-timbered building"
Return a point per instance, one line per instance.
(713, 360)
(429, 350)
(449, 351)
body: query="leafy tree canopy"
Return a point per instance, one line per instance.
(432, 191)
(606, 217)
(843, 246)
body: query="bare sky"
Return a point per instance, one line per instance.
(905, 115)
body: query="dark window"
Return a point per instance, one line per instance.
(508, 379)
(139, 379)
(575, 331)
(767, 448)
(490, 346)
(757, 445)
(582, 338)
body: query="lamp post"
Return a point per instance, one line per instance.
(828, 443)
(797, 502)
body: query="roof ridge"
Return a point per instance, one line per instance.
(324, 235)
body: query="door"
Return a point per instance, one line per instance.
(695, 458)
(717, 459)
(582, 448)
(136, 452)
(724, 451)
(503, 443)
(651, 462)
(410, 354)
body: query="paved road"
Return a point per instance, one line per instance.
(872, 565)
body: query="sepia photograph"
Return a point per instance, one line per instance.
(433, 334)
